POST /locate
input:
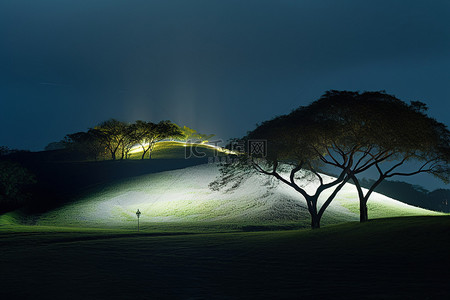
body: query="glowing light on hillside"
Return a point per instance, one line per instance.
(138, 148)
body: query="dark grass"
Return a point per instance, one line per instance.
(399, 258)
(61, 180)
(59, 183)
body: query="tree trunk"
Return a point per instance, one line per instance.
(315, 218)
(144, 151)
(150, 150)
(315, 222)
(363, 215)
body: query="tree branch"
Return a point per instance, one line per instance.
(282, 179)
(295, 170)
(332, 196)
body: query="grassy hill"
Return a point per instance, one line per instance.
(178, 150)
(181, 199)
(401, 258)
(172, 194)
(196, 243)
(60, 179)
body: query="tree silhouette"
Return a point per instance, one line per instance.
(296, 142)
(379, 131)
(55, 146)
(189, 134)
(293, 155)
(112, 134)
(131, 138)
(85, 143)
(148, 134)
(351, 133)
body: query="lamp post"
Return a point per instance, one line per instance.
(138, 214)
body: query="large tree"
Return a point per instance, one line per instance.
(386, 134)
(132, 137)
(294, 146)
(112, 134)
(148, 134)
(86, 144)
(348, 133)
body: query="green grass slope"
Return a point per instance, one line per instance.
(182, 199)
(401, 258)
(60, 177)
(176, 150)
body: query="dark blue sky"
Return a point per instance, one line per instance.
(217, 66)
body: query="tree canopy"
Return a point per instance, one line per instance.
(378, 131)
(350, 132)
(148, 133)
(115, 139)
(191, 135)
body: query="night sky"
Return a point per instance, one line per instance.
(216, 66)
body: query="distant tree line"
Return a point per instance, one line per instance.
(438, 200)
(4, 151)
(15, 181)
(113, 139)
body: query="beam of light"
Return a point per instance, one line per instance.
(138, 148)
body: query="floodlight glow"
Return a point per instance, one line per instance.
(138, 148)
(184, 196)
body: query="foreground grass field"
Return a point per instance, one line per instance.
(197, 243)
(399, 258)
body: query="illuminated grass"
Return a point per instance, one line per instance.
(173, 149)
(182, 198)
(380, 206)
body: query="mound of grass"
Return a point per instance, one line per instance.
(177, 150)
(11, 218)
(182, 199)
